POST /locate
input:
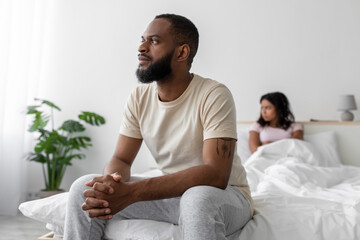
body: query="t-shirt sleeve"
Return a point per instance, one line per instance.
(255, 127)
(130, 123)
(218, 113)
(297, 127)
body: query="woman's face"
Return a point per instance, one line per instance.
(268, 111)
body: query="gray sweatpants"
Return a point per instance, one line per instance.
(202, 213)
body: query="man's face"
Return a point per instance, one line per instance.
(156, 52)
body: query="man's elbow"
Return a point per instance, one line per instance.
(221, 182)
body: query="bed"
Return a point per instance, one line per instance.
(301, 190)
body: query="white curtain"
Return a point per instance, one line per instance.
(22, 33)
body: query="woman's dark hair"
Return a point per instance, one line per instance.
(282, 108)
(184, 31)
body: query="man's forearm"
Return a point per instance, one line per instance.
(116, 165)
(174, 185)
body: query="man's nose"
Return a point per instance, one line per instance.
(143, 47)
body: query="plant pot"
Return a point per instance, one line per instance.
(43, 193)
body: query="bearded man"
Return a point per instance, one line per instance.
(189, 125)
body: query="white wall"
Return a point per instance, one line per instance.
(308, 49)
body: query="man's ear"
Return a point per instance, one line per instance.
(183, 53)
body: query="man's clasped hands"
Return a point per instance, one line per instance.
(107, 196)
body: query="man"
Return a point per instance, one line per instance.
(189, 125)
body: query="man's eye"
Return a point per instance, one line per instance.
(154, 41)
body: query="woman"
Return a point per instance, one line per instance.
(276, 122)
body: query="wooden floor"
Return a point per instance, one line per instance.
(20, 228)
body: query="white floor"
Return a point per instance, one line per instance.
(20, 228)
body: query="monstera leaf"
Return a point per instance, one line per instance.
(92, 118)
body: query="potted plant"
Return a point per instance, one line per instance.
(55, 148)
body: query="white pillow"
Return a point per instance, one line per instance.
(325, 143)
(243, 145)
(50, 210)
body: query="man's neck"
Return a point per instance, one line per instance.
(172, 88)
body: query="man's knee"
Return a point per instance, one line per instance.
(79, 184)
(201, 193)
(198, 200)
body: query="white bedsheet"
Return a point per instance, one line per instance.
(298, 199)
(295, 198)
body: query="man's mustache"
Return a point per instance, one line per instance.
(142, 56)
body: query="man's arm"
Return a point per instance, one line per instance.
(125, 153)
(217, 158)
(118, 169)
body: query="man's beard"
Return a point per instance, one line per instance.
(156, 71)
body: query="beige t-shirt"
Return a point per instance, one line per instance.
(174, 131)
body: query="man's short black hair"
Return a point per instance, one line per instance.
(185, 32)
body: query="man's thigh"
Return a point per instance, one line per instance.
(233, 206)
(165, 210)
(228, 207)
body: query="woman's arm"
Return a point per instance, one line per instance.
(299, 134)
(254, 141)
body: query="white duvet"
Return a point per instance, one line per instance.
(295, 197)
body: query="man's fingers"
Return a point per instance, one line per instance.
(104, 179)
(94, 180)
(95, 193)
(103, 188)
(91, 202)
(90, 183)
(106, 217)
(101, 213)
(90, 193)
(117, 177)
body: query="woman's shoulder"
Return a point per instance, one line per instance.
(296, 126)
(256, 127)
